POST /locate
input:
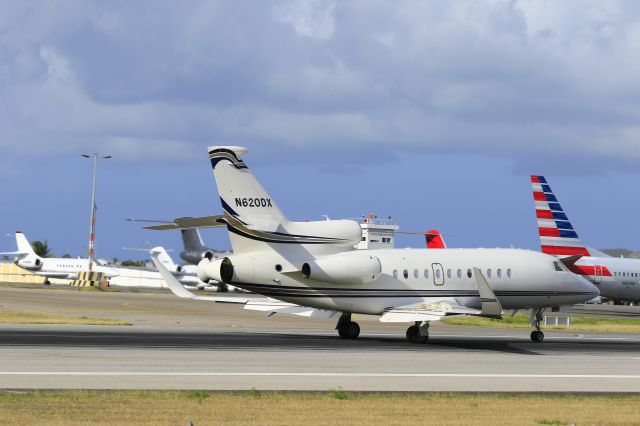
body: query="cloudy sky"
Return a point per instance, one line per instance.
(432, 112)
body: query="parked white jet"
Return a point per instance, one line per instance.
(186, 274)
(616, 278)
(53, 267)
(312, 268)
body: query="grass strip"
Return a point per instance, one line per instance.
(618, 325)
(337, 406)
(18, 318)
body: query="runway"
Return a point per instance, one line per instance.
(226, 348)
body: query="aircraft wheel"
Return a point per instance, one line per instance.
(352, 330)
(537, 336)
(222, 288)
(413, 335)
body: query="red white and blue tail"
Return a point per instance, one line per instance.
(557, 236)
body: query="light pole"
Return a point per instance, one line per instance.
(92, 226)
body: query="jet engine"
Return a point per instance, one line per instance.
(31, 263)
(353, 269)
(226, 270)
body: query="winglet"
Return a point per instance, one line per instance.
(491, 306)
(179, 290)
(173, 284)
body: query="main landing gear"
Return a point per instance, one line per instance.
(419, 332)
(536, 319)
(347, 329)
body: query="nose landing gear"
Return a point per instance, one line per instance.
(536, 319)
(347, 329)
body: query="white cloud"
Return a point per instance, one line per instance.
(521, 79)
(310, 18)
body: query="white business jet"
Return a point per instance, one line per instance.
(312, 268)
(53, 267)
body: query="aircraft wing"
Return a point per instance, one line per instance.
(272, 306)
(434, 311)
(179, 290)
(430, 311)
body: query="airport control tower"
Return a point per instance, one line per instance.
(377, 233)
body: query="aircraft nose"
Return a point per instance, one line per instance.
(584, 289)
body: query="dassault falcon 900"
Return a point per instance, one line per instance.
(311, 268)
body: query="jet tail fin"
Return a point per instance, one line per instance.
(557, 236)
(192, 240)
(241, 194)
(434, 239)
(24, 247)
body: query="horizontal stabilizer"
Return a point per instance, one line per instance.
(569, 261)
(190, 223)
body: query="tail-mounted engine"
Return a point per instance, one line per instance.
(352, 269)
(31, 263)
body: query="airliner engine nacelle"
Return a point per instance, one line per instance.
(353, 269)
(31, 263)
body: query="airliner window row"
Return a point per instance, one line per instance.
(459, 273)
(627, 274)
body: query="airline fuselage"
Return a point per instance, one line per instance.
(519, 278)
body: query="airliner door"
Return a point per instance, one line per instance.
(597, 274)
(438, 273)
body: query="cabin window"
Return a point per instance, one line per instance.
(459, 273)
(405, 273)
(499, 273)
(426, 273)
(508, 273)
(448, 273)
(395, 273)
(489, 273)
(438, 274)
(416, 273)
(469, 273)
(279, 267)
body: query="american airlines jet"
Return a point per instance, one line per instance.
(53, 267)
(313, 269)
(617, 278)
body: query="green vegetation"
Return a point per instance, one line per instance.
(41, 248)
(312, 408)
(617, 325)
(133, 263)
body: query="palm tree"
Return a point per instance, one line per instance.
(41, 248)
